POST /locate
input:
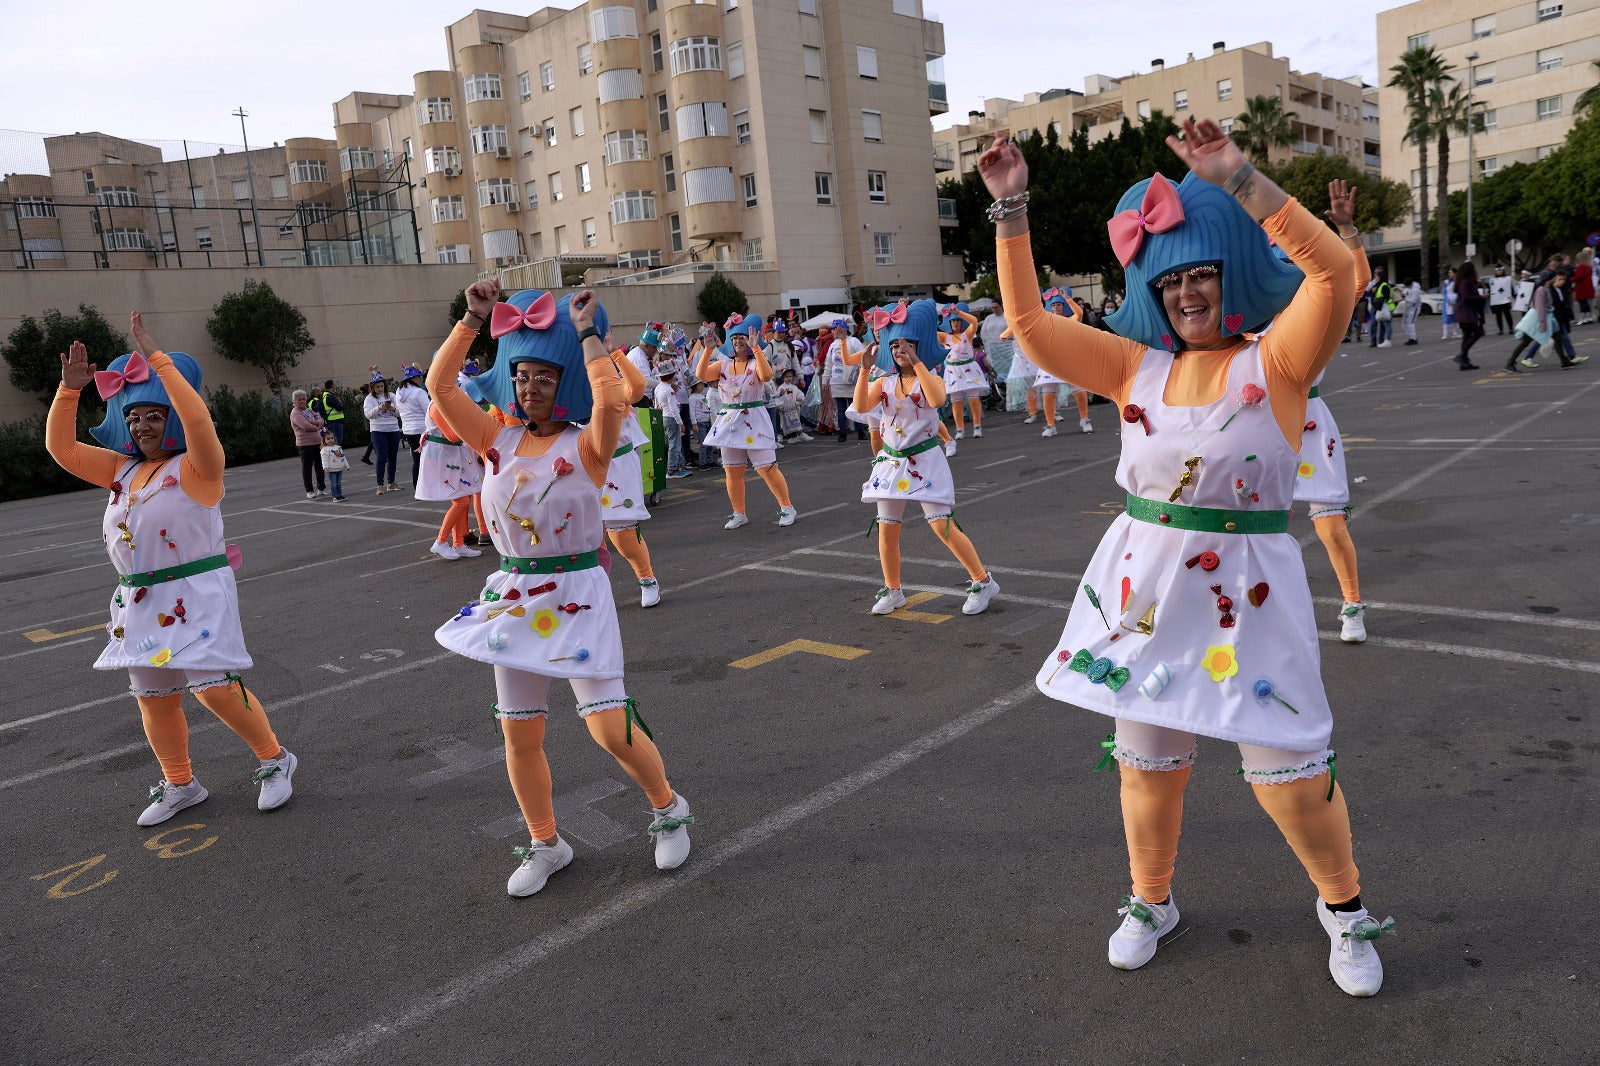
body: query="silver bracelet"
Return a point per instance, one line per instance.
(1237, 179)
(1349, 236)
(1008, 207)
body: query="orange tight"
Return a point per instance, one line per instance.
(1152, 817)
(1319, 832)
(1334, 530)
(1050, 398)
(734, 476)
(944, 527)
(629, 542)
(1032, 396)
(889, 551)
(776, 482)
(168, 731)
(454, 527)
(974, 405)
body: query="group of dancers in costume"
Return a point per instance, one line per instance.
(1193, 619)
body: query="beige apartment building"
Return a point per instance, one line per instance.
(1532, 60)
(1330, 114)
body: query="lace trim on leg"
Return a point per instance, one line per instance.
(1322, 764)
(1315, 512)
(152, 692)
(211, 682)
(1144, 762)
(518, 714)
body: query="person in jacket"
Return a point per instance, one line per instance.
(307, 426)
(1468, 312)
(411, 401)
(383, 422)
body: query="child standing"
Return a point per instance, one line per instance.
(334, 464)
(700, 415)
(666, 401)
(789, 400)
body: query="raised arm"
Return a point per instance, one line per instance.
(1307, 332)
(707, 369)
(867, 393)
(1342, 213)
(932, 385)
(476, 427)
(204, 460)
(97, 466)
(634, 383)
(599, 439)
(763, 368)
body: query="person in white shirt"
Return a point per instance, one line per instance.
(383, 424)
(666, 401)
(411, 400)
(1413, 306)
(841, 375)
(643, 356)
(1524, 297)
(1500, 300)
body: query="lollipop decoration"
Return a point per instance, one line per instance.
(1246, 494)
(1249, 396)
(581, 656)
(1265, 693)
(1094, 600)
(1062, 658)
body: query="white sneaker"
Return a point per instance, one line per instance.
(1383, 344)
(786, 516)
(311, 495)
(464, 552)
(889, 600)
(777, 444)
(649, 592)
(1030, 420)
(805, 437)
(1353, 623)
(1086, 425)
(1049, 431)
(539, 861)
(949, 448)
(736, 519)
(960, 434)
(1143, 925)
(979, 593)
(671, 831)
(977, 431)
(275, 777)
(167, 799)
(1352, 959)
(444, 550)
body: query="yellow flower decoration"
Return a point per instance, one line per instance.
(903, 485)
(605, 501)
(1306, 469)
(749, 439)
(1220, 662)
(545, 622)
(162, 657)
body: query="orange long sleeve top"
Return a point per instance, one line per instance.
(869, 393)
(200, 472)
(479, 429)
(1303, 337)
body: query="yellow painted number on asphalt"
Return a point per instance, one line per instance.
(921, 616)
(810, 647)
(169, 849)
(39, 636)
(76, 870)
(1111, 507)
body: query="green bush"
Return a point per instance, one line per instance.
(34, 349)
(26, 468)
(253, 426)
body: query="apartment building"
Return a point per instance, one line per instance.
(1329, 114)
(1527, 62)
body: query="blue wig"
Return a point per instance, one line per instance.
(555, 345)
(749, 327)
(113, 432)
(922, 327)
(950, 323)
(1256, 284)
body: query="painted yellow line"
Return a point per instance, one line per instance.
(39, 636)
(922, 616)
(810, 647)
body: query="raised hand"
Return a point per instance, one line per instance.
(482, 296)
(147, 347)
(1002, 168)
(76, 370)
(1209, 152)
(581, 309)
(1342, 205)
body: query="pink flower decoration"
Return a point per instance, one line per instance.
(562, 467)
(169, 482)
(1249, 396)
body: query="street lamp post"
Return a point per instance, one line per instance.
(1472, 57)
(255, 217)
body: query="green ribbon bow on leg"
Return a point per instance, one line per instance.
(1101, 671)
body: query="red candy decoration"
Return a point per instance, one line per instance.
(548, 586)
(493, 455)
(1134, 413)
(1311, 426)
(562, 467)
(139, 594)
(1207, 561)
(512, 595)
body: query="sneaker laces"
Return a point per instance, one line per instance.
(529, 853)
(158, 791)
(1136, 911)
(1353, 609)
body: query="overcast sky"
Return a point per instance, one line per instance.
(176, 69)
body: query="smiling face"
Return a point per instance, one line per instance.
(904, 352)
(741, 345)
(147, 425)
(1192, 299)
(536, 385)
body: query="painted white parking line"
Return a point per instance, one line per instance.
(357, 517)
(1000, 462)
(46, 647)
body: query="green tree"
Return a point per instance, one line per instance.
(1262, 126)
(1417, 73)
(988, 286)
(720, 298)
(1448, 113)
(258, 328)
(1379, 202)
(1590, 96)
(1501, 212)
(1560, 190)
(484, 346)
(33, 350)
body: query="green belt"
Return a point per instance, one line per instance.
(957, 362)
(915, 449)
(620, 452)
(743, 406)
(1206, 519)
(550, 564)
(431, 439)
(172, 573)
(1312, 395)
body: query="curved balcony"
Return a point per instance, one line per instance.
(711, 220)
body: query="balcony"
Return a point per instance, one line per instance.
(938, 98)
(1373, 160)
(947, 212)
(943, 159)
(1307, 147)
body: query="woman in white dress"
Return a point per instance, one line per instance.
(963, 377)
(742, 429)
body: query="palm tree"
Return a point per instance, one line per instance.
(1263, 126)
(1447, 114)
(1589, 97)
(1418, 71)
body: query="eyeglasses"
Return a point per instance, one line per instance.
(1196, 274)
(543, 381)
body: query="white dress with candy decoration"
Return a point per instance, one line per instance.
(1321, 480)
(962, 375)
(450, 469)
(743, 421)
(911, 465)
(190, 620)
(548, 609)
(622, 499)
(1223, 612)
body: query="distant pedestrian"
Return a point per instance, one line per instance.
(1382, 309)
(1500, 293)
(1468, 313)
(1447, 306)
(1583, 286)
(327, 404)
(307, 426)
(1413, 306)
(383, 422)
(411, 400)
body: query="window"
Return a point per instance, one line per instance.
(1483, 74)
(169, 241)
(437, 159)
(696, 53)
(355, 158)
(1548, 59)
(452, 253)
(435, 109)
(813, 61)
(406, 146)
(524, 86)
(529, 135)
(1226, 126)
(1142, 109)
(611, 22)
(824, 189)
(448, 209)
(202, 237)
(1549, 9)
(736, 59)
(1225, 89)
(575, 117)
(883, 249)
(197, 196)
(1418, 41)
(747, 183)
(1549, 107)
(488, 139)
(36, 207)
(481, 87)
(741, 127)
(872, 124)
(1489, 120)
(866, 61)
(530, 194)
(302, 171)
(640, 259)
(496, 191)
(40, 248)
(591, 236)
(675, 231)
(708, 119)
(88, 181)
(585, 58)
(621, 83)
(808, 7)
(126, 240)
(561, 240)
(671, 182)
(581, 171)
(655, 53)
(1180, 100)
(663, 114)
(819, 127)
(877, 187)
(123, 196)
(280, 187)
(1483, 27)
(241, 189)
(1488, 165)
(549, 133)
(547, 75)
(632, 206)
(626, 146)
(750, 251)
(556, 194)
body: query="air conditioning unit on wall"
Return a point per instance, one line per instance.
(502, 152)
(512, 208)
(452, 172)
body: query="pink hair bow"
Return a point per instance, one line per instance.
(506, 319)
(878, 318)
(111, 382)
(733, 320)
(1160, 212)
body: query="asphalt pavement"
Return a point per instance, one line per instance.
(902, 853)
